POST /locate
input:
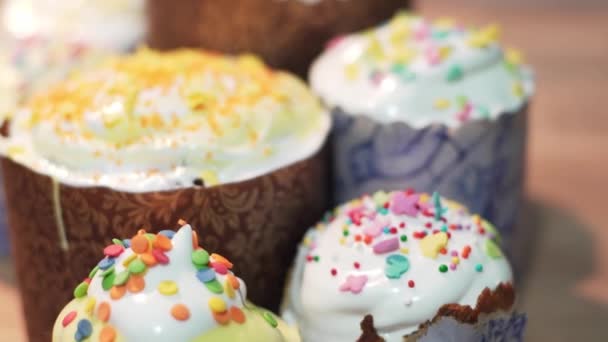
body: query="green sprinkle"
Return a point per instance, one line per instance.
(137, 266)
(443, 268)
(81, 290)
(403, 238)
(200, 257)
(345, 232)
(107, 271)
(215, 286)
(270, 319)
(479, 267)
(484, 112)
(108, 281)
(383, 211)
(462, 101)
(316, 258)
(444, 228)
(455, 73)
(118, 242)
(121, 278)
(492, 249)
(93, 272)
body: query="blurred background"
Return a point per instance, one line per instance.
(566, 293)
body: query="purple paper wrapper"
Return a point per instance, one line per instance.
(480, 163)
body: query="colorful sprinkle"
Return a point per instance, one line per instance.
(107, 334)
(106, 263)
(180, 312)
(114, 250)
(214, 286)
(129, 260)
(479, 267)
(219, 268)
(396, 266)
(354, 284)
(168, 233)
(443, 268)
(81, 290)
(167, 287)
(222, 260)
(137, 266)
(162, 242)
(217, 304)
(160, 256)
(90, 305)
(84, 330)
(234, 282)
(237, 315)
(432, 244)
(108, 281)
(117, 292)
(140, 244)
(492, 249)
(270, 319)
(93, 272)
(205, 275)
(104, 311)
(454, 73)
(411, 284)
(200, 257)
(386, 246)
(402, 204)
(69, 318)
(222, 318)
(136, 283)
(229, 290)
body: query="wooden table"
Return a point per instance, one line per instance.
(567, 294)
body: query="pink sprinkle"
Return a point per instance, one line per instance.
(334, 272)
(357, 265)
(334, 42)
(354, 284)
(403, 204)
(465, 114)
(386, 246)
(422, 31)
(411, 284)
(219, 267)
(454, 253)
(453, 267)
(113, 251)
(69, 318)
(160, 256)
(432, 55)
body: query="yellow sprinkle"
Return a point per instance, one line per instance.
(424, 198)
(209, 177)
(518, 89)
(455, 260)
(484, 37)
(128, 260)
(375, 50)
(15, 150)
(167, 287)
(405, 250)
(514, 57)
(217, 305)
(307, 241)
(90, 306)
(351, 71)
(229, 290)
(444, 52)
(441, 103)
(343, 240)
(432, 244)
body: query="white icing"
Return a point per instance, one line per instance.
(115, 24)
(324, 312)
(108, 143)
(396, 73)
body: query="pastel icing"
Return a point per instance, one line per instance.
(156, 121)
(430, 252)
(111, 24)
(421, 72)
(162, 287)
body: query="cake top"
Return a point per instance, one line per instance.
(158, 121)
(398, 256)
(421, 72)
(116, 24)
(162, 287)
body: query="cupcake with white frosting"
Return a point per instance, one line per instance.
(287, 34)
(141, 140)
(430, 105)
(408, 266)
(164, 287)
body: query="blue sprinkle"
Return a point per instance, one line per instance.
(106, 263)
(454, 73)
(78, 336)
(348, 221)
(168, 233)
(85, 328)
(383, 211)
(444, 228)
(205, 275)
(127, 243)
(386, 230)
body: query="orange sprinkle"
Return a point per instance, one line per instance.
(237, 315)
(222, 318)
(148, 259)
(116, 292)
(136, 283)
(221, 260)
(163, 243)
(367, 239)
(107, 334)
(104, 311)
(233, 281)
(180, 312)
(140, 244)
(194, 240)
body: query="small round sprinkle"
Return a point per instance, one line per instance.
(217, 304)
(162, 242)
(479, 267)
(104, 311)
(222, 318)
(106, 263)
(90, 306)
(214, 286)
(222, 260)
(357, 265)
(411, 283)
(200, 257)
(81, 290)
(205, 275)
(219, 268)
(334, 272)
(136, 283)
(270, 319)
(140, 244)
(69, 318)
(167, 287)
(107, 271)
(114, 250)
(233, 281)
(117, 292)
(93, 272)
(160, 256)
(403, 238)
(107, 334)
(180, 312)
(108, 281)
(168, 233)
(229, 290)
(237, 315)
(85, 328)
(137, 266)
(316, 258)
(443, 268)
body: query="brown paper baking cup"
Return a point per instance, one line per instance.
(288, 34)
(59, 231)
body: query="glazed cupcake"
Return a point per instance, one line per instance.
(224, 142)
(288, 34)
(164, 287)
(428, 105)
(407, 267)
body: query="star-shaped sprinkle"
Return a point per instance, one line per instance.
(402, 204)
(354, 284)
